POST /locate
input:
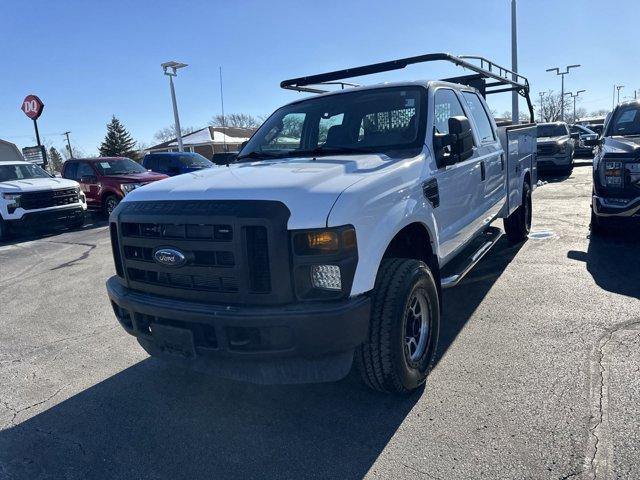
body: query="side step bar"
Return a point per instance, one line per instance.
(453, 273)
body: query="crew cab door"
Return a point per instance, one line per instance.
(491, 156)
(458, 184)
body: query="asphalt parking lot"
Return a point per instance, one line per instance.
(538, 375)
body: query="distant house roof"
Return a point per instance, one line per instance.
(209, 135)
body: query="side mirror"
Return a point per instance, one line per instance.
(88, 179)
(459, 140)
(591, 142)
(575, 136)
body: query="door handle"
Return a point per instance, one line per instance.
(483, 173)
(502, 162)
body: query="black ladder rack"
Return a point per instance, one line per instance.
(504, 80)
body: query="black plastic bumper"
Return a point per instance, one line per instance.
(631, 209)
(42, 218)
(301, 343)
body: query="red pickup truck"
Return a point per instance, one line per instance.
(106, 180)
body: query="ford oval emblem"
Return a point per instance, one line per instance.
(169, 257)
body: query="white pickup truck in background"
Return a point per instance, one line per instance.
(328, 242)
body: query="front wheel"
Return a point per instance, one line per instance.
(110, 204)
(518, 224)
(404, 328)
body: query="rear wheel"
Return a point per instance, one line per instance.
(518, 224)
(404, 328)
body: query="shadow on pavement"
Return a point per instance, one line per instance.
(460, 302)
(93, 220)
(613, 260)
(151, 421)
(154, 421)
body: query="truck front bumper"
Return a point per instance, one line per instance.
(302, 343)
(555, 161)
(616, 207)
(54, 216)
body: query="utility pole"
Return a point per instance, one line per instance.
(562, 74)
(171, 70)
(515, 113)
(68, 144)
(619, 87)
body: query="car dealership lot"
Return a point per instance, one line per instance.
(543, 387)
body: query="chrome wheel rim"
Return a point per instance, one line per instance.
(111, 205)
(416, 326)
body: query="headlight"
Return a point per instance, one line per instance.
(129, 187)
(12, 196)
(324, 262)
(613, 174)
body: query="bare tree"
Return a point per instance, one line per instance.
(599, 113)
(169, 133)
(237, 120)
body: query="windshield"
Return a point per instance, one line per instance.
(377, 120)
(551, 130)
(118, 166)
(626, 121)
(21, 172)
(195, 160)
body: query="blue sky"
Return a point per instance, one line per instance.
(89, 60)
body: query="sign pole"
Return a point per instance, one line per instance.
(35, 124)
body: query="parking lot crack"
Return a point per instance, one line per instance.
(17, 411)
(597, 461)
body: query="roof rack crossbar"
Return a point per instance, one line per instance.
(487, 69)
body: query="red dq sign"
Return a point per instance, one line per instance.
(32, 106)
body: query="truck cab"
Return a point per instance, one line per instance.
(328, 242)
(175, 163)
(616, 169)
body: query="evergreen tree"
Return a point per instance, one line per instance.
(118, 141)
(55, 160)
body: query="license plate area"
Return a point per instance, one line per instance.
(173, 340)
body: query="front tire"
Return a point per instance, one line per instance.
(4, 230)
(404, 327)
(518, 224)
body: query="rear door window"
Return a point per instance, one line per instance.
(480, 117)
(84, 170)
(70, 170)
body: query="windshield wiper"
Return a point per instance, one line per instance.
(331, 151)
(260, 156)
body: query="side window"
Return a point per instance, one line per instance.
(480, 116)
(84, 169)
(151, 163)
(162, 165)
(446, 105)
(70, 171)
(287, 135)
(326, 122)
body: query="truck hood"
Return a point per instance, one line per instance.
(629, 145)
(308, 187)
(36, 184)
(547, 140)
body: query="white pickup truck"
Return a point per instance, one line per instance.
(30, 197)
(328, 242)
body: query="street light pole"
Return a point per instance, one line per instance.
(619, 87)
(170, 70)
(541, 107)
(577, 94)
(68, 144)
(515, 114)
(562, 74)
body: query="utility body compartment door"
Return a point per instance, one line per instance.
(519, 144)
